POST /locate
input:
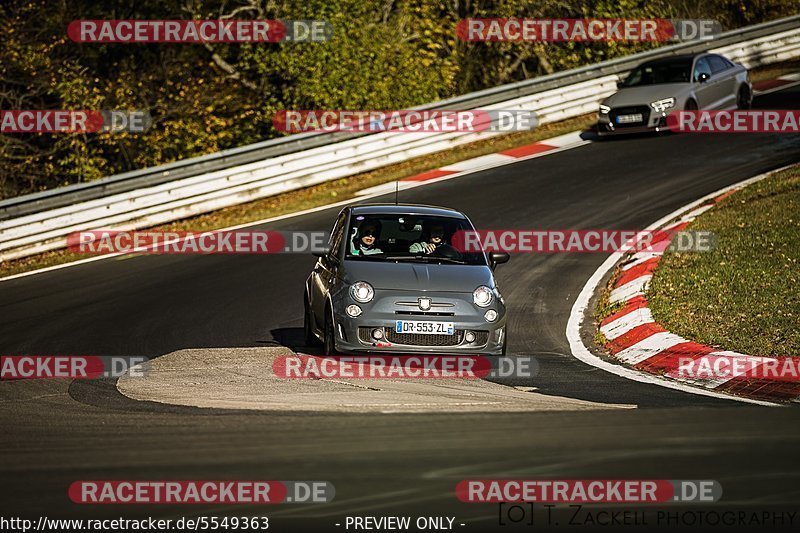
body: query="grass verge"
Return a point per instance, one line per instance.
(745, 294)
(323, 193)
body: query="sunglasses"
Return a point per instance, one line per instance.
(369, 233)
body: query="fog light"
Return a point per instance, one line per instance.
(469, 336)
(353, 310)
(377, 333)
(490, 315)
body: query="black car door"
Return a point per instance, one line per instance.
(324, 275)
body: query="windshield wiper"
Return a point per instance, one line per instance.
(450, 260)
(426, 259)
(369, 257)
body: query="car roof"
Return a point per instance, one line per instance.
(406, 209)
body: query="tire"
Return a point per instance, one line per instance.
(743, 98)
(308, 325)
(329, 344)
(505, 342)
(691, 105)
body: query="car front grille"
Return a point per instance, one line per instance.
(416, 339)
(630, 110)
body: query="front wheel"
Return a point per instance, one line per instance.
(330, 336)
(308, 325)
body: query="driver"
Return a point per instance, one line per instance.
(429, 244)
(364, 242)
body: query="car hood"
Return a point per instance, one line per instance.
(647, 93)
(419, 276)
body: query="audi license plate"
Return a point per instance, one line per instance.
(424, 327)
(629, 119)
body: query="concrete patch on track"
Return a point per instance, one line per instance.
(242, 378)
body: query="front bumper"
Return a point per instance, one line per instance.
(354, 335)
(651, 121)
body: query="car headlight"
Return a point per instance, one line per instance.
(482, 296)
(361, 291)
(604, 109)
(659, 106)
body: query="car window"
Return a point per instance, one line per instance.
(701, 67)
(336, 235)
(403, 238)
(674, 70)
(718, 64)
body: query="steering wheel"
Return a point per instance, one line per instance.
(445, 250)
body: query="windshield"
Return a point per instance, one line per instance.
(665, 71)
(408, 238)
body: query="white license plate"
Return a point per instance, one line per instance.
(627, 119)
(424, 327)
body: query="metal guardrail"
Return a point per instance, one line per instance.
(39, 222)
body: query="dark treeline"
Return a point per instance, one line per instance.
(387, 54)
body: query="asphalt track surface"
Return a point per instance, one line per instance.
(56, 432)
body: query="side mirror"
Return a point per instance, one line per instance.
(498, 258)
(619, 84)
(322, 253)
(703, 77)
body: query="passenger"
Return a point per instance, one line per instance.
(428, 244)
(366, 239)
